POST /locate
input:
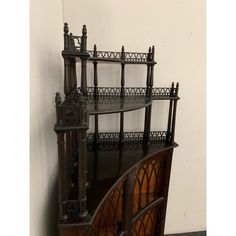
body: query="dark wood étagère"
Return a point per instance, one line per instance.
(111, 183)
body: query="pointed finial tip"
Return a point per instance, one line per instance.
(149, 49)
(66, 28)
(177, 85)
(58, 98)
(84, 30)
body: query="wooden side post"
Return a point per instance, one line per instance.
(95, 82)
(82, 160)
(122, 94)
(61, 159)
(168, 135)
(84, 58)
(174, 114)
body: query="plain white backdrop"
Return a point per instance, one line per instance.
(15, 118)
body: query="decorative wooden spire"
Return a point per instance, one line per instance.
(58, 98)
(66, 36)
(66, 28)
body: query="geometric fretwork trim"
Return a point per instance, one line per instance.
(116, 56)
(157, 93)
(132, 140)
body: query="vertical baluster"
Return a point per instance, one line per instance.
(61, 160)
(70, 87)
(174, 114)
(147, 125)
(149, 83)
(168, 135)
(95, 81)
(148, 73)
(73, 74)
(122, 71)
(66, 31)
(61, 173)
(82, 160)
(95, 78)
(69, 151)
(122, 94)
(58, 108)
(84, 58)
(74, 148)
(67, 74)
(67, 69)
(96, 137)
(122, 127)
(151, 71)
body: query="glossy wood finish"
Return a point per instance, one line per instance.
(143, 190)
(113, 183)
(117, 105)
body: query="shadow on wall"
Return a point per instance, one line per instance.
(51, 210)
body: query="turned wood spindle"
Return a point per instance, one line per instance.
(66, 38)
(174, 114)
(168, 135)
(82, 159)
(84, 58)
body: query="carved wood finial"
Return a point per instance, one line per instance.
(81, 99)
(66, 28)
(58, 98)
(149, 50)
(84, 30)
(84, 39)
(149, 57)
(122, 53)
(153, 52)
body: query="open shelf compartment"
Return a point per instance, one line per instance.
(108, 161)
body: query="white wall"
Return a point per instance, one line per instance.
(46, 77)
(177, 29)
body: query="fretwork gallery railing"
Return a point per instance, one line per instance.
(127, 57)
(157, 93)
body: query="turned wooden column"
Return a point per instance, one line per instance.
(82, 159)
(84, 56)
(62, 164)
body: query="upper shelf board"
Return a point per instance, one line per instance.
(106, 100)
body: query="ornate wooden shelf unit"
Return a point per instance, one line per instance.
(113, 183)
